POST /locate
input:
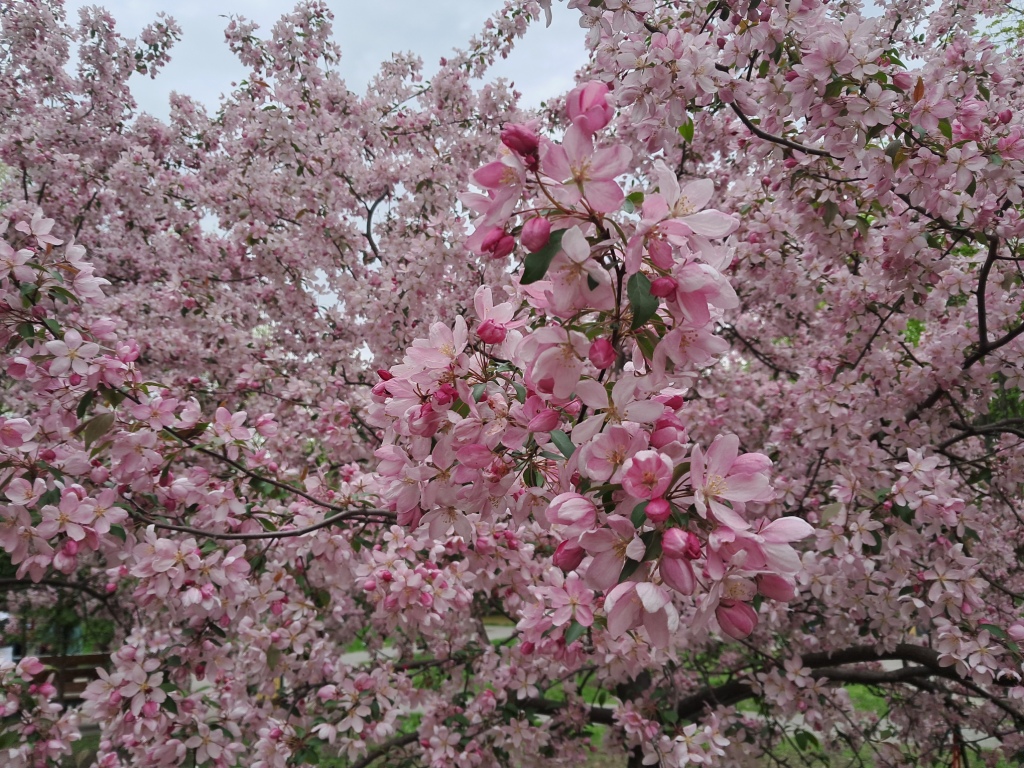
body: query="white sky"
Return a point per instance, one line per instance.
(201, 65)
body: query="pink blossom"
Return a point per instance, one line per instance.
(647, 474)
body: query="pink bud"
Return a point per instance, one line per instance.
(680, 544)
(678, 574)
(791, 76)
(774, 587)
(544, 421)
(524, 141)
(275, 734)
(1005, 116)
(536, 233)
(491, 332)
(903, 81)
(736, 619)
(70, 548)
(568, 556)
(663, 287)
(658, 510)
(602, 353)
(588, 106)
(370, 585)
(498, 243)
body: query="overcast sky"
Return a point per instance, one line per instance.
(201, 65)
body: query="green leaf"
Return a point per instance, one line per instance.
(574, 632)
(686, 131)
(273, 657)
(84, 403)
(995, 631)
(639, 514)
(829, 211)
(563, 443)
(805, 741)
(53, 325)
(644, 305)
(834, 88)
(118, 531)
(945, 128)
(478, 392)
(537, 263)
(97, 427)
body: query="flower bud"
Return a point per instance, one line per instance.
(568, 556)
(524, 141)
(602, 353)
(544, 421)
(903, 81)
(498, 243)
(491, 332)
(536, 233)
(663, 287)
(658, 510)
(680, 544)
(774, 587)
(736, 619)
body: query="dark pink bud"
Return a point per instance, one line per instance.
(663, 287)
(498, 243)
(70, 547)
(524, 142)
(791, 76)
(682, 544)
(658, 510)
(568, 556)
(536, 233)
(491, 332)
(1005, 116)
(602, 353)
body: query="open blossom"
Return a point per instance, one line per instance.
(647, 474)
(633, 604)
(72, 354)
(571, 600)
(586, 173)
(610, 547)
(722, 475)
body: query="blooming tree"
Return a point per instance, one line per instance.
(706, 378)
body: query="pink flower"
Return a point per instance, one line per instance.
(723, 475)
(602, 354)
(647, 474)
(577, 513)
(588, 106)
(632, 604)
(572, 601)
(610, 547)
(584, 173)
(72, 353)
(39, 228)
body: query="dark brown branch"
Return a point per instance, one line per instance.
(280, 534)
(993, 247)
(778, 139)
(396, 743)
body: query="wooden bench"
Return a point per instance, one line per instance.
(71, 674)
